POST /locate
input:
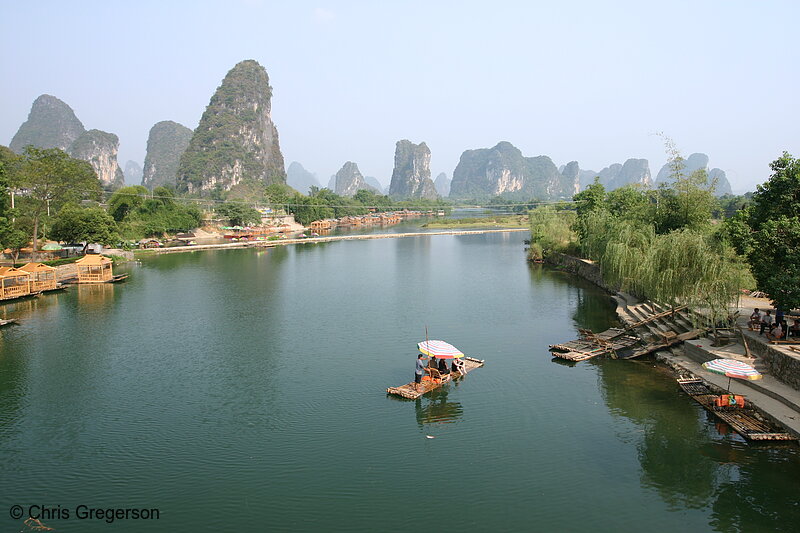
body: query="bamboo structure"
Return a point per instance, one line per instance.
(742, 420)
(436, 380)
(14, 283)
(94, 268)
(43, 277)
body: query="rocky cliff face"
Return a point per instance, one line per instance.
(632, 172)
(504, 170)
(442, 184)
(693, 163)
(723, 186)
(51, 124)
(166, 143)
(300, 179)
(349, 181)
(236, 139)
(100, 150)
(572, 176)
(375, 183)
(132, 171)
(411, 177)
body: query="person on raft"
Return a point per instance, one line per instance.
(420, 370)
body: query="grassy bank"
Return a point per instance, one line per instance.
(500, 221)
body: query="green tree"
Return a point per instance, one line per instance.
(307, 209)
(774, 244)
(279, 194)
(591, 198)
(51, 179)
(89, 225)
(126, 200)
(686, 203)
(630, 202)
(239, 214)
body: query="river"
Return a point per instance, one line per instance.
(244, 390)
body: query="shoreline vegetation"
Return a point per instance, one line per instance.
(677, 244)
(499, 221)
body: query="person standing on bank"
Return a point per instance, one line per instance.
(420, 370)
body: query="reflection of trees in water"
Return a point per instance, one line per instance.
(668, 453)
(748, 487)
(594, 308)
(757, 496)
(434, 408)
(594, 311)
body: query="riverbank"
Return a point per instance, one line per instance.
(776, 396)
(505, 221)
(313, 240)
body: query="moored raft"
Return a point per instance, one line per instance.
(592, 344)
(742, 419)
(427, 385)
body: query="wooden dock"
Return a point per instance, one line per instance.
(408, 391)
(742, 420)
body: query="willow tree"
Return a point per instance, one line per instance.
(551, 230)
(689, 268)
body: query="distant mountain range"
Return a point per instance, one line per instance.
(236, 141)
(52, 124)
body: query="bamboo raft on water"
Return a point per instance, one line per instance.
(742, 420)
(427, 385)
(594, 344)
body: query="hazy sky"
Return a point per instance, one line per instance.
(588, 81)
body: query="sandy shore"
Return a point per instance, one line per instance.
(310, 240)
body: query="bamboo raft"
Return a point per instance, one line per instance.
(408, 391)
(648, 328)
(743, 421)
(594, 344)
(670, 339)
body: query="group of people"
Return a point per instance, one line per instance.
(441, 367)
(775, 327)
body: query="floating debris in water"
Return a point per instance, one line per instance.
(429, 437)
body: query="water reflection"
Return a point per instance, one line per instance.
(95, 295)
(671, 435)
(753, 497)
(689, 463)
(434, 408)
(22, 309)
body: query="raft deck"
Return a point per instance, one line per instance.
(593, 344)
(743, 421)
(408, 391)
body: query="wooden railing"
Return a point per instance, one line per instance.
(15, 291)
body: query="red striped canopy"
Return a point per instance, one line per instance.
(732, 368)
(439, 350)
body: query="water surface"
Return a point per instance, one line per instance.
(244, 390)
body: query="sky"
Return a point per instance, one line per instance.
(588, 81)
